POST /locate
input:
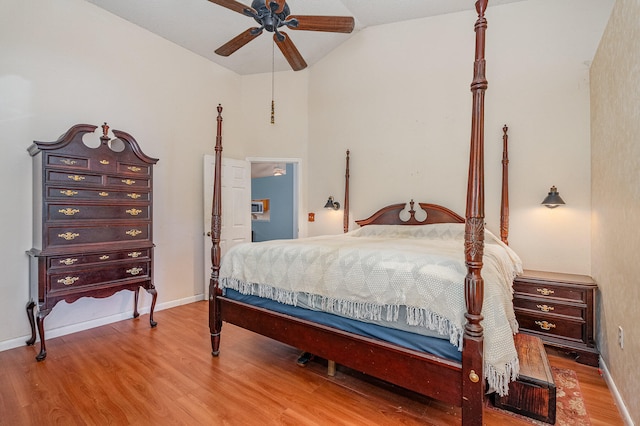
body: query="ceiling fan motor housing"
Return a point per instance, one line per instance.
(267, 16)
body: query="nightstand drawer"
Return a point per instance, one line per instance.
(551, 306)
(550, 290)
(550, 325)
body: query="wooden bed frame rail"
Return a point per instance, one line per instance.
(460, 384)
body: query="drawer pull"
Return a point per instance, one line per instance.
(68, 211)
(133, 212)
(134, 168)
(68, 280)
(545, 291)
(104, 257)
(128, 181)
(134, 271)
(68, 235)
(134, 196)
(135, 254)
(105, 162)
(69, 193)
(545, 308)
(133, 232)
(76, 178)
(68, 162)
(545, 325)
(103, 194)
(68, 261)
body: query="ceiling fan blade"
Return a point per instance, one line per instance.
(238, 41)
(232, 4)
(290, 52)
(280, 4)
(332, 24)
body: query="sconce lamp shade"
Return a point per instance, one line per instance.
(333, 205)
(553, 199)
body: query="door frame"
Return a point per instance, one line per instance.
(297, 187)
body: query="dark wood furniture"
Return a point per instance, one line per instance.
(560, 309)
(533, 394)
(92, 222)
(457, 383)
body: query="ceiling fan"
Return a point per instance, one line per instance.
(274, 14)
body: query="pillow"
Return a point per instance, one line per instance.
(439, 231)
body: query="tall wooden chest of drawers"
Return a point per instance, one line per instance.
(92, 230)
(560, 309)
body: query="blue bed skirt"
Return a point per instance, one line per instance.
(435, 346)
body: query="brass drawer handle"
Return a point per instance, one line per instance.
(545, 308)
(68, 280)
(128, 181)
(68, 192)
(134, 271)
(76, 178)
(68, 235)
(133, 232)
(133, 212)
(68, 211)
(103, 194)
(134, 168)
(68, 261)
(134, 196)
(134, 254)
(68, 162)
(545, 291)
(545, 325)
(104, 257)
(105, 162)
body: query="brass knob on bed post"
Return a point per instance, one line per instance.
(473, 376)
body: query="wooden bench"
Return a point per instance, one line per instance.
(533, 394)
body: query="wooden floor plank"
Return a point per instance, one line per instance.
(129, 373)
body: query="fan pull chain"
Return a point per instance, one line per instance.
(273, 105)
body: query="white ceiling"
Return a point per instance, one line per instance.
(201, 26)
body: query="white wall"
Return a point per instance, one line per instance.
(68, 62)
(399, 97)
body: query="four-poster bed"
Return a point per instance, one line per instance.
(459, 382)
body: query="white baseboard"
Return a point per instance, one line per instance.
(74, 328)
(624, 413)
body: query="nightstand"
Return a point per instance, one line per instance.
(560, 309)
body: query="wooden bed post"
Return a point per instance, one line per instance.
(215, 321)
(345, 225)
(504, 205)
(473, 341)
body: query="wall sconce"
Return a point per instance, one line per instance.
(333, 205)
(553, 199)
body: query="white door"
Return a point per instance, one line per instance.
(236, 207)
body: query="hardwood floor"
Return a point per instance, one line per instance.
(128, 373)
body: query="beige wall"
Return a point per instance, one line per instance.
(615, 183)
(68, 62)
(398, 96)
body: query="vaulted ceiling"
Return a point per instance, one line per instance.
(201, 26)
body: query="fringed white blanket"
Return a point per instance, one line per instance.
(369, 273)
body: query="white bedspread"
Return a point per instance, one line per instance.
(369, 273)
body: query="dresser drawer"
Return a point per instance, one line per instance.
(79, 277)
(61, 236)
(132, 182)
(549, 305)
(570, 293)
(57, 212)
(551, 325)
(61, 192)
(68, 161)
(73, 178)
(137, 169)
(59, 262)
